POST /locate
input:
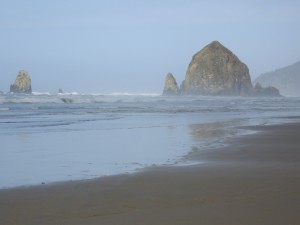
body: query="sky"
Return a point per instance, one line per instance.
(97, 46)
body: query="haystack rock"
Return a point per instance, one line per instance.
(22, 83)
(171, 87)
(215, 70)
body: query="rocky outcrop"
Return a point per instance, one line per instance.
(286, 80)
(171, 87)
(22, 83)
(67, 100)
(215, 70)
(267, 91)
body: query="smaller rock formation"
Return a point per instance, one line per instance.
(60, 91)
(22, 83)
(286, 80)
(67, 100)
(171, 87)
(267, 91)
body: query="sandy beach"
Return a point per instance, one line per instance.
(253, 179)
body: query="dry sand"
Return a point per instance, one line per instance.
(254, 180)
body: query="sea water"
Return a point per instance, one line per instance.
(48, 138)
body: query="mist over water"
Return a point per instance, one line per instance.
(47, 138)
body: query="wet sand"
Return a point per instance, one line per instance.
(254, 179)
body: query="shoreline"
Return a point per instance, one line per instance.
(211, 134)
(252, 179)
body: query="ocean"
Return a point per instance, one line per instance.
(48, 138)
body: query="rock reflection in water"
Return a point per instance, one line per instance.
(211, 135)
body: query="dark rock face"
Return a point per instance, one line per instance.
(215, 70)
(267, 91)
(22, 83)
(171, 87)
(67, 100)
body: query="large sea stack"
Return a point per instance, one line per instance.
(22, 83)
(171, 87)
(215, 70)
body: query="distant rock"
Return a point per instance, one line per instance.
(67, 100)
(286, 80)
(22, 83)
(171, 87)
(215, 70)
(267, 91)
(60, 91)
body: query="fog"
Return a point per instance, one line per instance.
(129, 46)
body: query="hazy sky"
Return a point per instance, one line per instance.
(117, 45)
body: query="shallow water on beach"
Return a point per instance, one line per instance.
(48, 138)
